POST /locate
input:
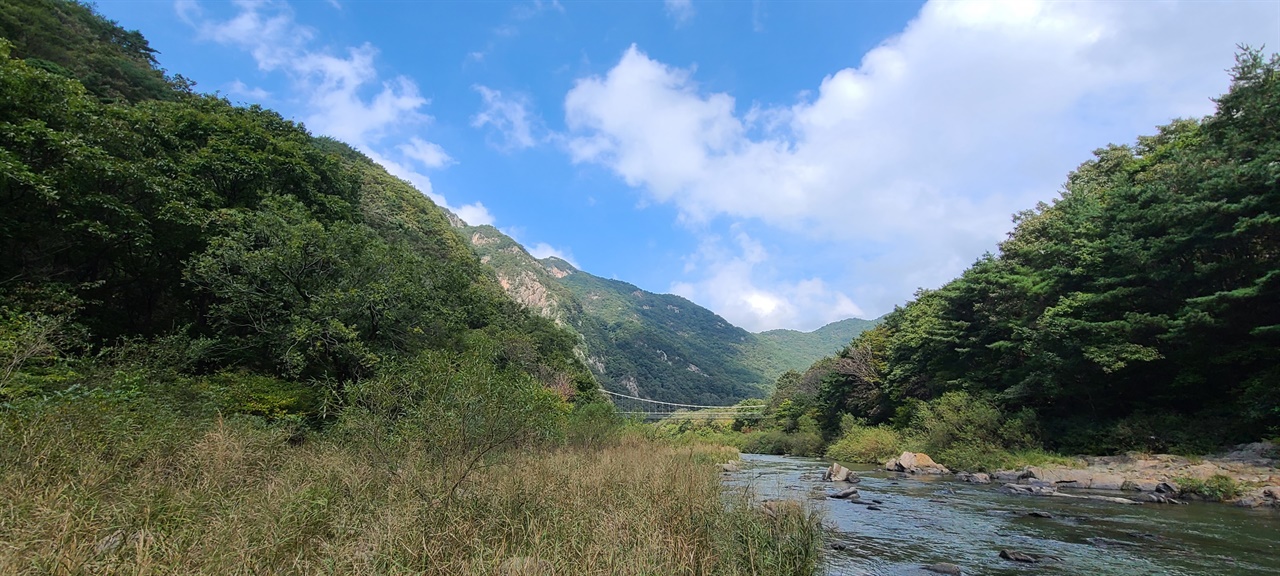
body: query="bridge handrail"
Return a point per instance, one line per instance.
(734, 407)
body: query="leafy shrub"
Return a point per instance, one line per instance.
(593, 424)
(1217, 487)
(271, 398)
(779, 442)
(969, 433)
(453, 405)
(867, 444)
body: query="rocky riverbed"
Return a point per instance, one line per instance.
(885, 522)
(1253, 471)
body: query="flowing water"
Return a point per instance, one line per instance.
(925, 520)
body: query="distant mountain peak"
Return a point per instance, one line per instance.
(557, 267)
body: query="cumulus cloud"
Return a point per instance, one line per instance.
(680, 11)
(474, 214)
(918, 155)
(737, 284)
(507, 117)
(543, 250)
(333, 86)
(239, 88)
(429, 154)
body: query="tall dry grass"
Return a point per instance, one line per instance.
(84, 492)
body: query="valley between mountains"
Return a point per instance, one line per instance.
(655, 346)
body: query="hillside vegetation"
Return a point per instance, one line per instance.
(1138, 311)
(658, 346)
(778, 351)
(230, 347)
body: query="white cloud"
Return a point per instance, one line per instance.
(239, 88)
(916, 157)
(738, 285)
(507, 116)
(543, 250)
(680, 11)
(474, 214)
(429, 154)
(333, 90)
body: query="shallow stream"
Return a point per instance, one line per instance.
(925, 520)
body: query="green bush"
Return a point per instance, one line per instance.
(1217, 487)
(449, 405)
(867, 444)
(592, 424)
(779, 442)
(964, 432)
(271, 398)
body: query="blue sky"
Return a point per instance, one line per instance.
(785, 164)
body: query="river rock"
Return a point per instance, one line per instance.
(1028, 557)
(915, 463)
(1076, 478)
(1203, 471)
(1029, 490)
(1098, 497)
(729, 466)
(1141, 484)
(945, 568)
(1007, 475)
(845, 494)
(1260, 497)
(838, 473)
(976, 478)
(1162, 499)
(775, 508)
(1109, 542)
(110, 542)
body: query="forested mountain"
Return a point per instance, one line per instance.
(1138, 311)
(135, 210)
(778, 351)
(69, 39)
(657, 346)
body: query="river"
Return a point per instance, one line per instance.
(924, 520)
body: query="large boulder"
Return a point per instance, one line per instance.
(915, 463)
(974, 478)
(838, 473)
(1076, 478)
(1260, 497)
(1007, 475)
(1030, 490)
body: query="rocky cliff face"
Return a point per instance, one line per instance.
(524, 278)
(640, 343)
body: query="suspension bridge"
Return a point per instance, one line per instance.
(647, 409)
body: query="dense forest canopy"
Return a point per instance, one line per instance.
(1140, 310)
(138, 210)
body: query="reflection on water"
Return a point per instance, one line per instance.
(925, 520)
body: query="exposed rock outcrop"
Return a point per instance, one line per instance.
(838, 473)
(1267, 496)
(915, 463)
(974, 478)
(1156, 476)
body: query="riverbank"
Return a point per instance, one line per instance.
(902, 523)
(237, 496)
(1248, 475)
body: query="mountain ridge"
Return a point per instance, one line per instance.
(659, 346)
